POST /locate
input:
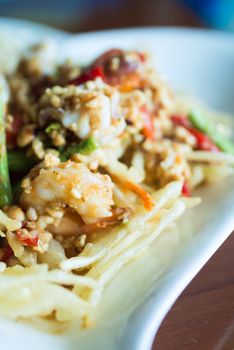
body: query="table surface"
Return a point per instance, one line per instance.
(203, 316)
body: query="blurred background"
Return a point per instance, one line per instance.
(88, 15)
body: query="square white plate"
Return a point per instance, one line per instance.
(134, 304)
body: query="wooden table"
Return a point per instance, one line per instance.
(203, 316)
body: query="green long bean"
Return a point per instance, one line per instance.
(85, 147)
(5, 185)
(19, 161)
(199, 120)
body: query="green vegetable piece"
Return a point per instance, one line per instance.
(85, 147)
(19, 161)
(223, 143)
(53, 126)
(5, 186)
(200, 122)
(16, 191)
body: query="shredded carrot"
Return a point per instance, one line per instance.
(137, 189)
(145, 196)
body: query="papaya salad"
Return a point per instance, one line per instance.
(95, 162)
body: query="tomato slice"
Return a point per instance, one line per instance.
(119, 70)
(106, 56)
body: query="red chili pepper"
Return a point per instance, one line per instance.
(93, 73)
(13, 130)
(7, 254)
(148, 129)
(31, 241)
(185, 189)
(178, 119)
(203, 141)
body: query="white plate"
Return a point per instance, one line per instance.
(134, 304)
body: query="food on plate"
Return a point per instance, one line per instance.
(95, 163)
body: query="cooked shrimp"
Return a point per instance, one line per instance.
(68, 225)
(71, 185)
(71, 224)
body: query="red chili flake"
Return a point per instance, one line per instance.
(185, 189)
(27, 240)
(93, 73)
(148, 129)
(7, 254)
